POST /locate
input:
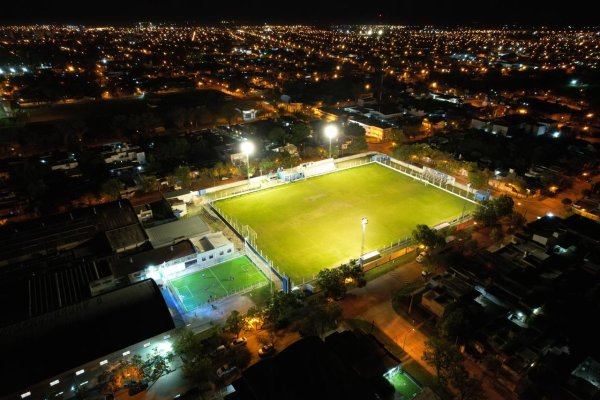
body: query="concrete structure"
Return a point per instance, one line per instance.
(375, 129)
(64, 351)
(168, 234)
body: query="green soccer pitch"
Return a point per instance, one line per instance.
(315, 223)
(195, 289)
(403, 385)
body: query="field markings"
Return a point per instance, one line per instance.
(218, 280)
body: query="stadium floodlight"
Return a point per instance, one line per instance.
(364, 221)
(247, 148)
(331, 131)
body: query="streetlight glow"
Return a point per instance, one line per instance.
(331, 131)
(247, 148)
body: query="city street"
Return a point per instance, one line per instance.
(373, 304)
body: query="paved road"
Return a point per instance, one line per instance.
(373, 304)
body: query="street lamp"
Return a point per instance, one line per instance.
(405, 336)
(364, 222)
(331, 131)
(247, 149)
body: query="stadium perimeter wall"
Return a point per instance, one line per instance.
(343, 163)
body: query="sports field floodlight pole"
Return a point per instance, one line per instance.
(331, 131)
(364, 222)
(247, 148)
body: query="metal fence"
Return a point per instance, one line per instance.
(246, 233)
(435, 180)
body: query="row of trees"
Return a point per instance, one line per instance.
(335, 281)
(198, 366)
(448, 362)
(136, 369)
(444, 162)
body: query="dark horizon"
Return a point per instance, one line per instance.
(409, 12)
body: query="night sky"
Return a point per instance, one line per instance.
(490, 12)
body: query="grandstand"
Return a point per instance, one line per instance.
(317, 167)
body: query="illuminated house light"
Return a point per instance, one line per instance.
(103, 362)
(126, 353)
(26, 394)
(55, 382)
(81, 371)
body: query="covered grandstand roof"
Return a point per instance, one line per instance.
(45, 346)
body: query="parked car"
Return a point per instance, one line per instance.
(241, 341)
(225, 369)
(421, 257)
(219, 351)
(266, 350)
(137, 388)
(425, 273)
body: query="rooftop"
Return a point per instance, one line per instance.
(42, 347)
(172, 232)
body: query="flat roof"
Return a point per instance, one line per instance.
(42, 347)
(167, 234)
(137, 262)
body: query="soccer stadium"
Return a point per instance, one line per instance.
(315, 223)
(221, 280)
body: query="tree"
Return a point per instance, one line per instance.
(300, 133)
(442, 356)
(398, 136)
(423, 234)
(353, 273)
(356, 130)
(112, 188)
(479, 179)
(455, 323)
(187, 345)
(277, 135)
(516, 221)
(235, 322)
(468, 388)
(283, 307)
(156, 366)
(183, 176)
(486, 213)
(331, 282)
(199, 370)
(320, 317)
(490, 211)
(149, 184)
(358, 144)
(197, 366)
(504, 205)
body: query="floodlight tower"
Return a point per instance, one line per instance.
(247, 148)
(364, 221)
(331, 131)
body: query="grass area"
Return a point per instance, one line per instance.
(388, 266)
(403, 384)
(215, 282)
(313, 224)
